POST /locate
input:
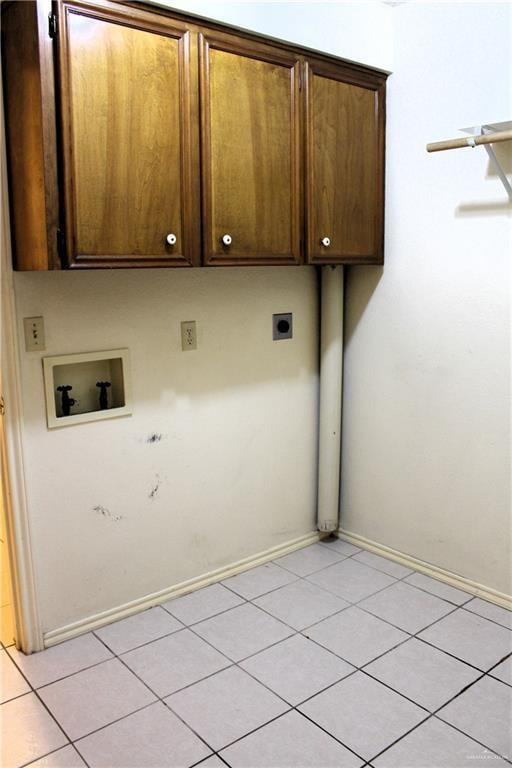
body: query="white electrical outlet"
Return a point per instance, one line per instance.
(188, 335)
(34, 334)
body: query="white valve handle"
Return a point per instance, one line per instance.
(227, 239)
(171, 239)
(326, 241)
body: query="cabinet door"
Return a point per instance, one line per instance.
(345, 165)
(129, 150)
(250, 152)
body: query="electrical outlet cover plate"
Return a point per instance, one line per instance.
(282, 326)
(188, 335)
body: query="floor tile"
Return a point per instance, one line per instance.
(67, 757)
(291, 741)
(406, 607)
(242, 631)
(296, 668)
(343, 547)
(503, 671)
(95, 697)
(438, 588)
(301, 604)
(61, 660)
(351, 580)
(436, 745)
(226, 706)
(12, 682)
(202, 604)
(484, 712)
(356, 636)
(363, 714)
(383, 564)
(28, 731)
(310, 559)
(471, 638)
(174, 662)
(257, 581)
(422, 673)
(490, 611)
(136, 630)
(151, 738)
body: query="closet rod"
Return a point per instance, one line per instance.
(470, 141)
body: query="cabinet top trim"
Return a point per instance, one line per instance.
(206, 25)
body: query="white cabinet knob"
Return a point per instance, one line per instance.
(171, 239)
(227, 239)
(326, 241)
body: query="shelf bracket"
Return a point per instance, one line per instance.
(484, 130)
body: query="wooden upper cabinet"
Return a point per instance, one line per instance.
(251, 121)
(139, 137)
(344, 165)
(130, 153)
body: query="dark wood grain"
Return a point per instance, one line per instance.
(30, 134)
(292, 142)
(128, 149)
(345, 166)
(250, 152)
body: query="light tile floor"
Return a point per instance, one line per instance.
(328, 657)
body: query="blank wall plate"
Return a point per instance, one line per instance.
(34, 334)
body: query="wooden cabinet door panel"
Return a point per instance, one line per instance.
(128, 149)
(345, 168)
(251, 152)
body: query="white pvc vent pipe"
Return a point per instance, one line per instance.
(331, 368)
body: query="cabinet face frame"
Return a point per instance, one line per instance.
(372, 81)
(133, 18)
(29, 100)
(213, 40)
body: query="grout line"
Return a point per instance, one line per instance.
(307, 717)
(493, 621)
(185, 625)
(433, 594)
(41, 757)
(136, 647)
(249, 733)
(263, 594)
(507, 759)
(159, 698)
(400, 738)
(295, 632)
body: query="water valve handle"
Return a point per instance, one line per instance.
(103, 386)
(66, 401)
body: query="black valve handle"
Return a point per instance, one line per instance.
(66, 400)
(103, 386)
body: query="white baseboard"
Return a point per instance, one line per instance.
(453, 579)
(135, 606)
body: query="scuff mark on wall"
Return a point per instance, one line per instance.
(155, 488)
(155, 437)
(105, 512)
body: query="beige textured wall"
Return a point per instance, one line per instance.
(426, 440)
(235, 465)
